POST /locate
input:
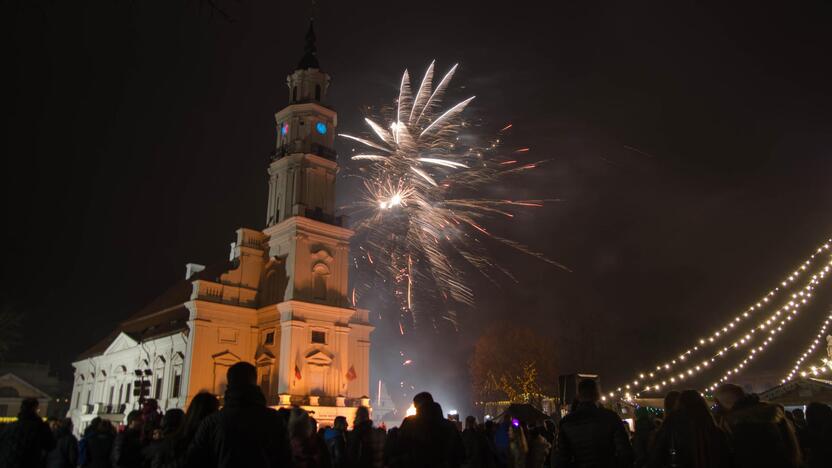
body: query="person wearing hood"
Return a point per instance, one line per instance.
(690, 438)
(591, 436)
(760, 434)
(25, 442)
(65, 453)
(336, 441)
(245, 432)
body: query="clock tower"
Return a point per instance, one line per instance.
(324, 341)
(279, 302)
(302, 174)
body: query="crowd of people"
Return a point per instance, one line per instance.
(739, 431)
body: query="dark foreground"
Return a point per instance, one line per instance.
(740, 431)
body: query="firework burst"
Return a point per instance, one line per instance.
(422, 221)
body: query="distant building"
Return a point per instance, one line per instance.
(279, 302)
(799, 392)
(757, 382)
(19, 380)
(384, 409)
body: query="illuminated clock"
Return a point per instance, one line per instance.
(321, 128)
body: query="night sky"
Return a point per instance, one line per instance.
(691, 146)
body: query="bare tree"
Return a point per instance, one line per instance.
(514, 363)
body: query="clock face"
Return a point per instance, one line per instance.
(321, 128)
(284, 129)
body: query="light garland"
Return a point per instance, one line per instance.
(668, 367)
(790, 309)
(808, 351)
(816, 279)
(822, 368)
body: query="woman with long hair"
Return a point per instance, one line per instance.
(306, 451)
(174, 451)
(690, 438)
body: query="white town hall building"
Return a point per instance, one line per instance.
(280, 302)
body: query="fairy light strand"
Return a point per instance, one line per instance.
(790, 310)
(727, 329)
(773, 332)
(811, 349)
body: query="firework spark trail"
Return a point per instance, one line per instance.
(423, 214)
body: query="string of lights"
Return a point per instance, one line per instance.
(669, 367)
(772, 332)
(789, 309)
(818, 369)
(811, 349)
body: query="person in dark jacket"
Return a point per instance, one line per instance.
(168, 425)
(336, 442)
(65, 453)
(365, 445)
(476, 446)
(549, 432)
(539, 448)
(670, 401)
(391, 446)
(96, 445)
(127, 447)
(428, 439)
(307, 452)
(25, 442)
(689, 437)
(760, 434)
(591, 436)
(174, 450)
(818, 435)
(245, 432)
(643, 437)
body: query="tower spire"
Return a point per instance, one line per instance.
(310, 51)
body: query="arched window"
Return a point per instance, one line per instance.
(317, 92)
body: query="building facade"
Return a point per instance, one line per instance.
(13, 390)
(279, 302)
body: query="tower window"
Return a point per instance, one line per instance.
(317, 92)
(295, 93)
(319, 337)
(269, 338)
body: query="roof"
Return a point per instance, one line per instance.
(799, 392)
(310, 54)
(525, 413)
(165, 315)
(34, 392)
